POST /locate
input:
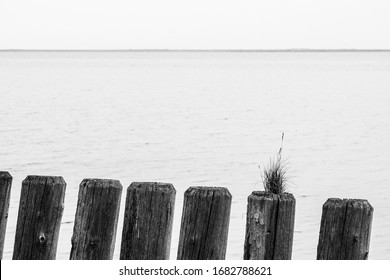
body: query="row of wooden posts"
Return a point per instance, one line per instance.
(147, 226)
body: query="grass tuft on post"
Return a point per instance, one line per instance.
(274, 175)
(5, 194)
(270, 216)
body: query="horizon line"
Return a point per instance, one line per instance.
(196, 50)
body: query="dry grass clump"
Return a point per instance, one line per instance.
(274, 174)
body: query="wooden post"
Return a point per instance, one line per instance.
(96, 219)
(147, 226)
(5, 194)
(269, 226)
(345, 230)
(204, 224)
(39, 218)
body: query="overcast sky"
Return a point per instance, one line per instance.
(194, 24)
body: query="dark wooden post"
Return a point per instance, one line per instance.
(204, 224)
(96, 219)
(5, 194)
(147, 227)
(269, 226)
(39, 218)
(345, 230)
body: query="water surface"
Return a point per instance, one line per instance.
(202, 119)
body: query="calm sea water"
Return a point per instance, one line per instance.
(202, 118)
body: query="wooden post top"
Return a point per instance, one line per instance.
(162, 187)
(198, 189)
(350, 201)
(264, 194)
(57, 179)
(5, 175)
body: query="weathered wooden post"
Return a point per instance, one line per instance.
(39, 218)
(269, 226)
(345, 229)
(5, 194)
(96, 219)
(147, 226)
(204, 224)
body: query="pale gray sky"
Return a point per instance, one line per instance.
(194, 24)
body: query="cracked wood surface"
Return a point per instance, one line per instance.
(147, 226)
(39, 219)
(204, 224)
(96, 219)
(270, 226)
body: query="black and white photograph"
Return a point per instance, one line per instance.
(194, 130)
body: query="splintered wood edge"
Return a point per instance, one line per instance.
(103, 183)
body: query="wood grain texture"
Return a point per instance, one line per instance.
(331, 229)
(39, 218)
(205, 224)
(284, 234)
(345, 230)
(5, 194)
(269, 227)
(147, 227)
(96, 219)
